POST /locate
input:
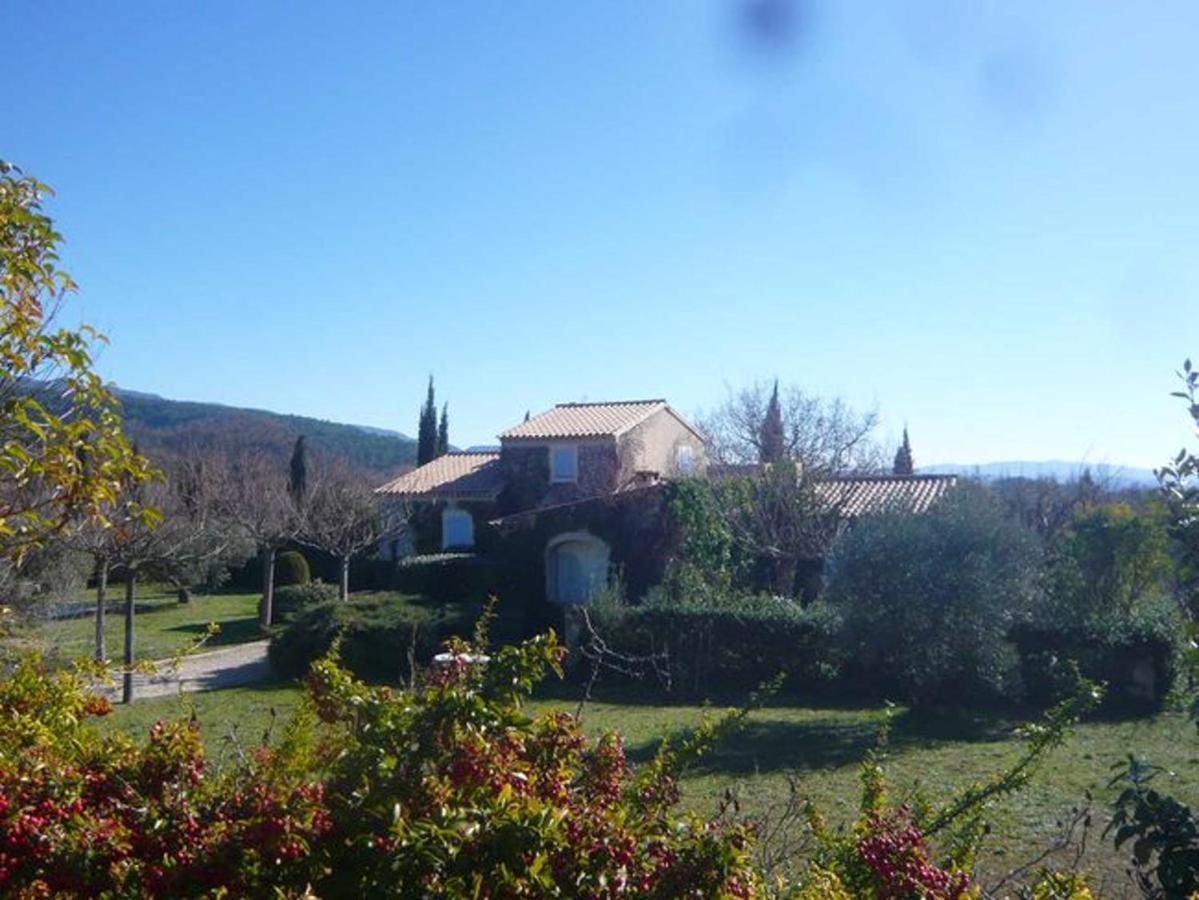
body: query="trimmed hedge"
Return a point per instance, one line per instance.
(733, 642)
(291, 568)
(455, 577)
(377, 632)
(1137, 660)
(290, 600)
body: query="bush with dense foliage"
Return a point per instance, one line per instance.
(1107, 609)
(927, 848)
(379, 635)
(88, 814)
(760, 532)
(291, 568)
(929, 600)
(715, 638)
(448, 789)
(455, 577)
(1136, 656)
(1163, 831)
(1108, 562)
(291, 600)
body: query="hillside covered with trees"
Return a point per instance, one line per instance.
(157, 424)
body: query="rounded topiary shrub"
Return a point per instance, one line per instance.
(290, 600)
(291, 568)
(379, 633)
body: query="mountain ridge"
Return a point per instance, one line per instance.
(1055, 469)
(161, 424)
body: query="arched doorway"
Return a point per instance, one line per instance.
(576, 568)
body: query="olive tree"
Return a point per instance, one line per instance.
(928, 599)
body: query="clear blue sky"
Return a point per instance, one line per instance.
(980, 218)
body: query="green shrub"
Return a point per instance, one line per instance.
(1108, 610)
(291, 568)
(721, 640)
(290, 600)
(1137, 656)
(378, 633)
(1109, 561)
(456, 577)
(448, 789)
(929, 600)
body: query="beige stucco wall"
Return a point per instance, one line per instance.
(652, 446)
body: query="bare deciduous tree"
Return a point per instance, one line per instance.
(191, 531)
(781, 515)
(821, 435)
(345, 519)
(254, 494)
(96, 540)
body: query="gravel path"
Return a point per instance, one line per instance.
(227, 667)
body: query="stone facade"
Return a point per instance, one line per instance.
(526, 468)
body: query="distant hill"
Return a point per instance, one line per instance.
(1055, 469)
(158, 424)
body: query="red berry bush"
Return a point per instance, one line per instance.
(445, 790)
(84, 814)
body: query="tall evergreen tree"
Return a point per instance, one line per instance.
(443, 431)
(297, 476)
(904, 464)
(772, 444)
(426, 433)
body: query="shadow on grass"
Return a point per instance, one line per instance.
(233, 631)
(649, 693)
(771, 744)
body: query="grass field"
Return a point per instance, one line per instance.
(819, 750)
(163, 626)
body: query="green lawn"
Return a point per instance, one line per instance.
(163, 626)
(819, 748)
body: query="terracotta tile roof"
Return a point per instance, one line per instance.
(868, 494)
(454, 476)
(583, 420)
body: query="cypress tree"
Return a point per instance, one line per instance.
(426, 432)
(904, 464)
(443, 431)
(297, 476)
(772, 444)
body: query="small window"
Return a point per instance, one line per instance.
(564, 463)
(685, 459)
(457, 529)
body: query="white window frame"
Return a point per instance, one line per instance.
(573, 451)
(456, 513)
(684, 459)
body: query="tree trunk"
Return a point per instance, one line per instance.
(101, 600)
(265, 609)
(127, 678)
(343, 592)
(784, 570)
